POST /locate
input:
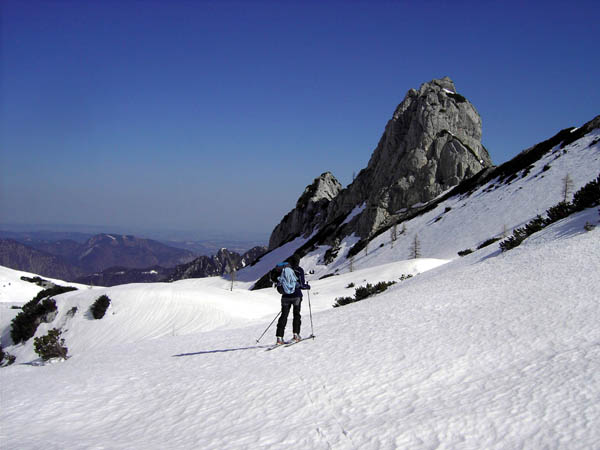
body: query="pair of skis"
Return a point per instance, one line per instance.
(290, 343)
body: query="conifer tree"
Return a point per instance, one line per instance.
(415, 250)
(567, 187)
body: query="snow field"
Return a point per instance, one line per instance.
(16, 291)
(488, 351)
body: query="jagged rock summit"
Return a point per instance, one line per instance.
(309, 212)
(431, 143)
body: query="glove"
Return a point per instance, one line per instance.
(305, 286)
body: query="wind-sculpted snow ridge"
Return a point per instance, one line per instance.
(493, 350)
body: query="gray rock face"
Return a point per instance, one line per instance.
(431, 143)
(310, 210)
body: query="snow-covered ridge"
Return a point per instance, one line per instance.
(491, 210)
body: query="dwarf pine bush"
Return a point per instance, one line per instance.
(487, 242)
(25, 324)
(51, 345)
(559, 211)
(363, 292)
(6, 359)
(586, 197)
(99, 307)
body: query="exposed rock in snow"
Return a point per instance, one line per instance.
(432, 143)
(309, 211)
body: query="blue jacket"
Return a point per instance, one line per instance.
(299, 271)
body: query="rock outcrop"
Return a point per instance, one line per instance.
(224, 262)
(310, 211)
(431, 143)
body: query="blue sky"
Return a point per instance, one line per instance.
(215, 115)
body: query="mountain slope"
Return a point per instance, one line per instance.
(16, 255)
(486, 207)
(487, 351)
(106, 250)
(431, 143)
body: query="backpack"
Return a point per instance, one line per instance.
(288, 282)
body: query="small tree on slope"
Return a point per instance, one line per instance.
(51, 345)
(415, 250)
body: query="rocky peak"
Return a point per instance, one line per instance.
(431, 143)
(310, 210)
(324, 186)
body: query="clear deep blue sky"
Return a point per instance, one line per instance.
(215, 115)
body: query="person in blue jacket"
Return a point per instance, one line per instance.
(292, 300)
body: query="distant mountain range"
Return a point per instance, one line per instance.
(208, 246)
(222, 263)
(110, 259)
(16, 255)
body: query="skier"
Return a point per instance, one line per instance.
(294, 298)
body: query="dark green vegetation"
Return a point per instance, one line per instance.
(40, 309)
(363, 292)
(99, 307)
(587, 197)
(6, 359)
(51, 345)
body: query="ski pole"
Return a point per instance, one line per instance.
(312, 330)
(278, 314)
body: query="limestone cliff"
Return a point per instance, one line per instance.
(310, 210)
(431, 143)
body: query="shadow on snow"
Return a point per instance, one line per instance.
(226, 350)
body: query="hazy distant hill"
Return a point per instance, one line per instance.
(102, 251)
(107, 250)
(68, 259)
(21, 257)
(204, 266)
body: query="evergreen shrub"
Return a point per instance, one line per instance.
(99, 307)
(558, 212)
(25, 324)
(50, 292)
(51, 345)
(588, 196)
(535, 225)
(327, 275)
(363, 292)
(6, 359)
(487, 242)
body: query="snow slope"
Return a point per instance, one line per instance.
(467, 221)
(488, 351)
(16, 291)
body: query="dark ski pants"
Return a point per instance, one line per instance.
(286, 304)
